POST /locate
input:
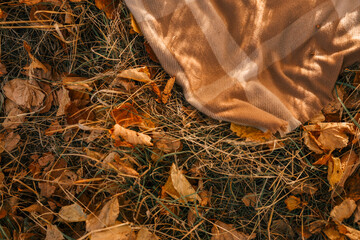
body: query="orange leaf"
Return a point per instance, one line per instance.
(250, 133)
(126, 115)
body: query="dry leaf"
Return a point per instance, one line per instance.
(54, 128)
(317, 226)
(121, 232)
(14, 119)
(46, 159)
(73, 82)
(318, 118)
(46, 189)
(351, 233)
(37, 69)
(125, 83)
(178, 187)
(140, 74)
(72, 213)
(302, 188)
(135, 27)
(333, 234)
(310, 142)
(223, 231)
(349, 163)
(166, 144)
(76, 112)
(335, 171)
(145, 234)
(343, 211)
(330, 136)
(357, 214)
(151, 52)
(3, 15)
(63, 99)
(53, 233)
(281, 229)
(130, 136)
(3, 70)
(25, 93)
(251, 134)
(293, 203)
(105, 218)
(114, 161)
(108, 6)
(165, 95)
(9, 141)
(250, 199)
(335, 106)
(126, 115)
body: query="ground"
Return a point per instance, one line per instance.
(50, 160)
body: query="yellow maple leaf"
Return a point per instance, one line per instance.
(251, 134)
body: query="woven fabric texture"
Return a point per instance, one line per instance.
(270, 64)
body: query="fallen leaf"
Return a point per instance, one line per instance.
(333, 234)
(251, 134)
(54, 128)
(351, 233)
(72, 213)
(9, 141)
(73, 82)
(46, 189)
(318, 118)
(114, 161)
(335, 106)
(223, 231)
(46, 159)
(293, 203)
(63, 99)
(150, 52)
(33, 2)
(3, 70)
(14, 119)
(3, 15)
(48, 97)
(178, 187)
(121, 232)
(357, 214)
(317, 226)
(329, 136)
(76, 111)
(249, 200)
(335, 171)
(25, 93)
(343, 211)
(310, 142)
(36, 69)
(145, 234)
(281, 229)
(166, 144)
(126, 115)
(127, 84)
(106, 217)
(134, 26)
(165, 95)
(53, 233)
(324, 160)
(108, 6)
(130, 136)
(140, 74)
(302, 188)
(349, 163)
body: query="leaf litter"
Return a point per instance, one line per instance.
(168, 166)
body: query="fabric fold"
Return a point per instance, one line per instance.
(269, 64)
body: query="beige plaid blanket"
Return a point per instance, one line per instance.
(271, 64)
